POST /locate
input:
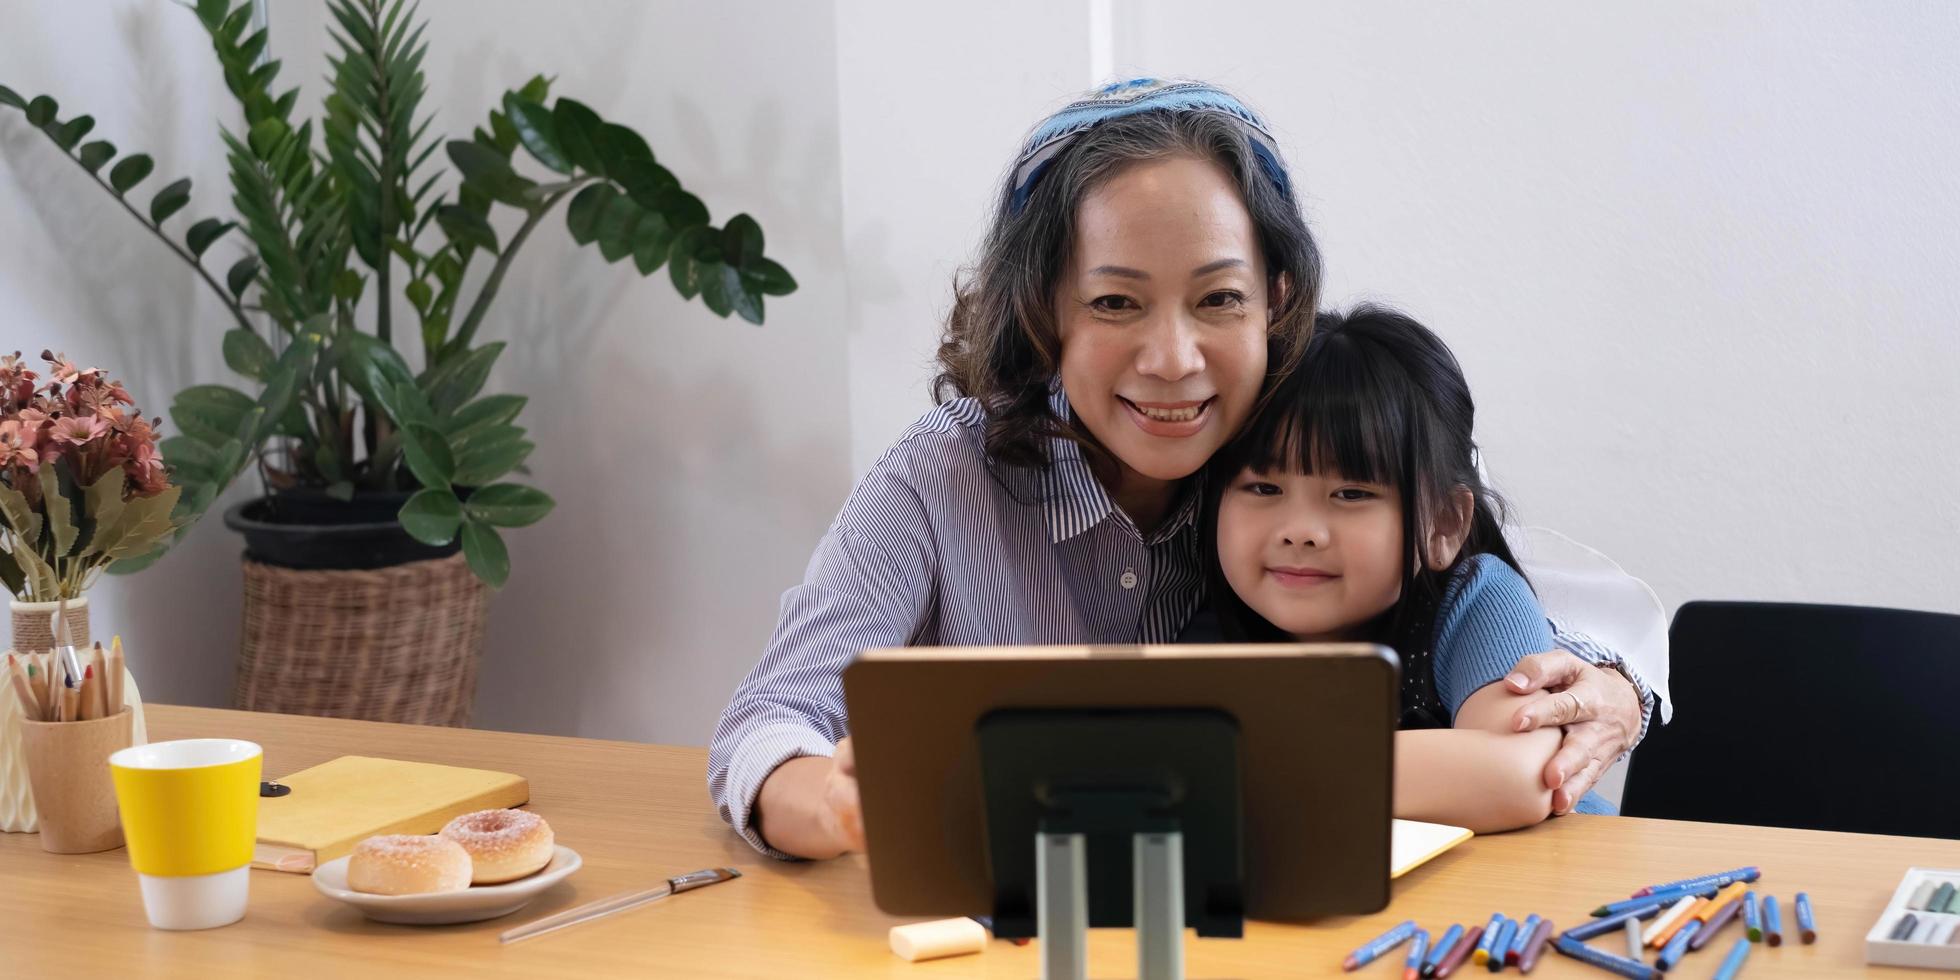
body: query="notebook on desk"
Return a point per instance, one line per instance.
(1415, 842)
(337, 804)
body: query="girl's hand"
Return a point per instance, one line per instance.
(843, 816)
(1598, 708)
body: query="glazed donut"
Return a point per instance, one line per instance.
(408, 864)
(504, 845)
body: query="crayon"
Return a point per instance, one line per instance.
(1752, 919)
(1678, 946)
(1772, 922)
(1460, 953)
(1656, 900)
(1440, 950)
(1668, 919)
(1418, 950)
(1806, 921)
(1716, 922)
(1692, 915)
(1612, 923)
(1941, 896)
(1481, 955)
(1635, 948)
(1732, 964)
(1516, 952)
(1374, 948)
(1903, 930)
(1535, 947)
(1500, 949)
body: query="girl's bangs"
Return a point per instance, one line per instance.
(1335, 414)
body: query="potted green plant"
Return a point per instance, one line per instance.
(376, 473)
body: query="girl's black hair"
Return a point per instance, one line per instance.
(1379, 398)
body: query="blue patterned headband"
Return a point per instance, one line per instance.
(1119, 99)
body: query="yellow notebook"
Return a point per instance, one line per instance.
(1415, 842)
(335, 805)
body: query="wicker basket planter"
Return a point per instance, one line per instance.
(396, 635)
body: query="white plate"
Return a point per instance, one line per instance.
(472, 904)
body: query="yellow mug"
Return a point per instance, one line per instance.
(190, 815)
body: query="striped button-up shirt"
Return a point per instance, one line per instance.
(939, 547)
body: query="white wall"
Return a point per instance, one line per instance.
(1696, 260)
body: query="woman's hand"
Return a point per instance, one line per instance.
(1598, 708)
(843, 816)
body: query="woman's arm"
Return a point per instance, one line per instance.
(771, 769)
(1480, 774)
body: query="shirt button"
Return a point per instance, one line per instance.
(1129, 578)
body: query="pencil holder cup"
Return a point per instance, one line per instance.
(68, 767)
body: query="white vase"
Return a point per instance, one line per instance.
(16, 798)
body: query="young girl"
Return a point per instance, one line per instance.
(1350, 509)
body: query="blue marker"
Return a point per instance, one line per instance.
(1772, 922)
(1516, 952)
(1656, 900)
(1677, 947)
(1441, 949)
(1612, 923)
(1752, 920)
(1417, 948)
(1606, 961)
(1723, 880)
(1482, 953)
(1380, 944)
(1806, 925)
(1502, 947)
(1733, 964)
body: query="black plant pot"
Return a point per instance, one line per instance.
(305, 528)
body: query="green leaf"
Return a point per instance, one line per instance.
(170, 200)
(11, 98)
(347, 285)
(577, 129)
(646, 181)
(489, 172)
(741, 241)
(466, 227)
(94, 154)
(341, 490)
(582, 215)
(241, 275)
(266, 136)
(205, 232)
(20, 519)
(713, 279)
(617, 146)
(247, 353)
(681, 268)
(682, 210)
(409, 407)
(420, 294)
(104, 507)
(55, 504)
(766, 275)
(651, 240)
(144, 522)
(428, 455)
(535, 129)
(213, 414)
(432, 516)
(42, 110)
(11, 574)
(481, 464)
(616, 228)
(484, 549)
(371, 368)
(129, 172)
(212, 13)
(481, 414)
(746, 303)
(458, 379)
(509, 505)
(66, 135)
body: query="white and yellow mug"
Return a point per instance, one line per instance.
(190, 814)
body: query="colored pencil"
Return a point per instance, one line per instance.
(1750, 873)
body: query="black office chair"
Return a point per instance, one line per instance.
(1819, 717)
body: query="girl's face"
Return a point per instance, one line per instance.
(1318, 556)
(1163, 317)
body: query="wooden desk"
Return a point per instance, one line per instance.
(640, 813)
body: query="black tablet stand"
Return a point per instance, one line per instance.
(1113, 818)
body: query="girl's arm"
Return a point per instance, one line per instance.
(1479, 774)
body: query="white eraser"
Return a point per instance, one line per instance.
(933, 940)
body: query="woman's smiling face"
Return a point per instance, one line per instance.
(1163, 317)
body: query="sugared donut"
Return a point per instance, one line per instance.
(504, 845)
(408, 864)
